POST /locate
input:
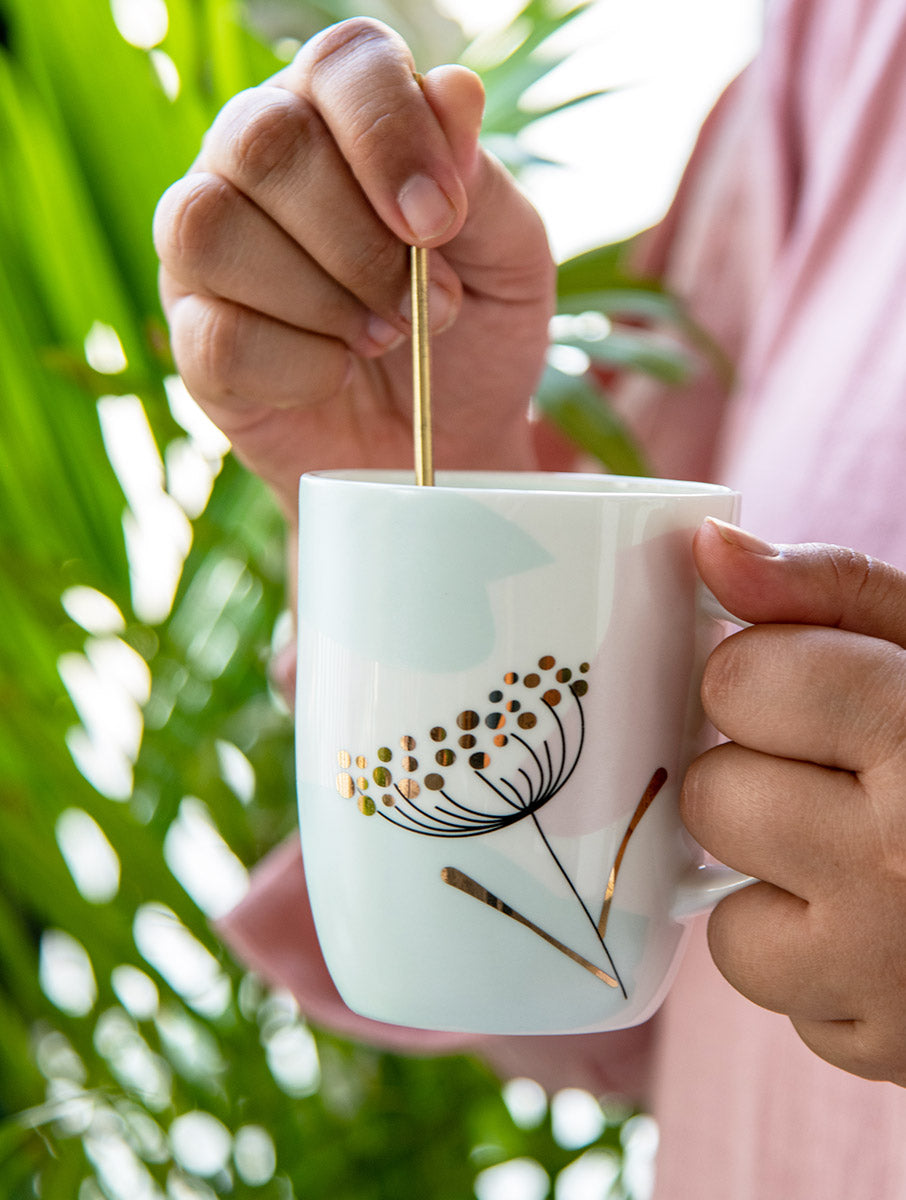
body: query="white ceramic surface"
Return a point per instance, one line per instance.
(497, 699)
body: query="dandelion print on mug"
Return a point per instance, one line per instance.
(524, 747)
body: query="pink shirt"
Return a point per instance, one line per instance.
(788, 237)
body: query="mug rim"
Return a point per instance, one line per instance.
(526, 483)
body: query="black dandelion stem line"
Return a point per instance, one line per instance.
(555, 784)
(562, 783)
(550, 766)
(405, 820)
(523, 742)
(473, 811)
(425, 831)
(575, 891)
(523, 803)
(430, 816)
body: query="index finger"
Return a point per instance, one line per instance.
(361, 78)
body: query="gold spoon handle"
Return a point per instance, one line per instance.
(421, 369)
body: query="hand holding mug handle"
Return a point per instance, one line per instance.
(807, 793)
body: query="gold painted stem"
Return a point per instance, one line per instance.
(657, 781)
(421, 369)
(464, 883)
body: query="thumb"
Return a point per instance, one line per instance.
(456, 97)
(809, 584)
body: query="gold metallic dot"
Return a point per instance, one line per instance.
(344, 759)
(410, 764)
(445, 758)
(495, 720)
(407, 742)
(495, 697)
(546, 662)
(362, 783)
(579, 688)
(552, 697)
(479, 760)
(409, 788)
(366, 806)
(532, 680)
(583, 667)
(434, 781)
(513, 706)
(501, 739)
(467, 719)
(361, 762)
(467, 741)
(511, 677)
(527, 720)
(564, 675)
(388, 800)
(382, 777)
(345, 786)
(385, 754)
(438, 733)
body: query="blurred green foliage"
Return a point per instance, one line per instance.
(106, 1047)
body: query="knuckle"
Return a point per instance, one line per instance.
(879, 703)
(379, 269)
(263, 136)
(855, 574)
(207, 344)
(190, 217)
(220, 339)
(338, 41)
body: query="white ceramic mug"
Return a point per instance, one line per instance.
(497, 700)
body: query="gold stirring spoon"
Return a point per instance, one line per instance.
(421, 369)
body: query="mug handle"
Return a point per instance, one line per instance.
(702, 887)
(713, 608)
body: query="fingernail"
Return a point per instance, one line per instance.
(440, 307)
(742, 539)
(426, 209)
(381, 333)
